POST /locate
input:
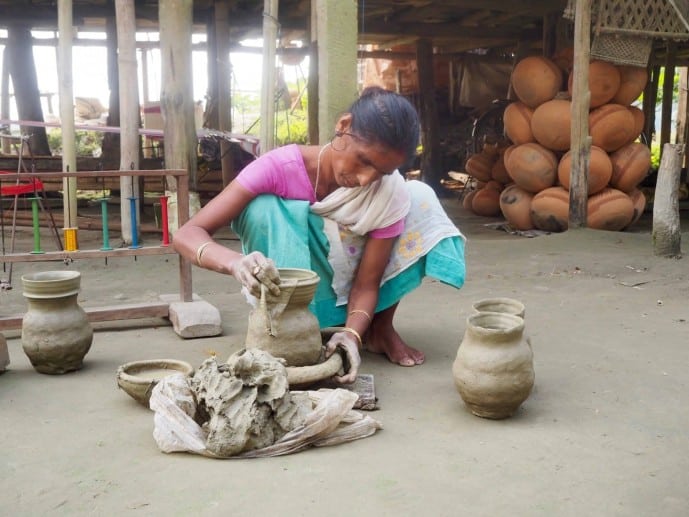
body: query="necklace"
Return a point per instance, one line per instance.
(318, 169)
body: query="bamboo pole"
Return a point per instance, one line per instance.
(270, 32)
(581, 97)
(66, 93)
(129, 110)
(668, 89)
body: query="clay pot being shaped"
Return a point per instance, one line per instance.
(550, 210)
(604, 82)
(611, 126)
(517, 122)
(56, 332)
(536, 79)
(493, 371)
(283, 325)
(630, 165)
(515, 204)
(532, 167)
(600, 170)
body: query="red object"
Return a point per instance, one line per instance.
(27, 186)
(163, 217)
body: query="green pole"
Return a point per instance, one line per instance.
(36, 227)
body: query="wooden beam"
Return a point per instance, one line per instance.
(430, 159)
(109, 313)
(668, 91)
(581, 97)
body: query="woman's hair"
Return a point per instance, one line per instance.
(385, 117)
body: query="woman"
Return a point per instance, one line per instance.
(344, 211)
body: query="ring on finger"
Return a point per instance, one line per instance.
(256, 270)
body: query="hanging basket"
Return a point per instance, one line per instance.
(624, 30)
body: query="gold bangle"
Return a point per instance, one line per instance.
(356, 334)
(360, 311)
(199, 252)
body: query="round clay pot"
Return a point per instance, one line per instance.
(600, 170)
(515, 204)
(633, 80)
(604, 81)
(499, 172)
(501, 304)
(479, 166)
(467, 200)
(611, 126)
(138, 378)
(564, 58)
(506, 153)
(56, 332)
(550, 210)
(609, 209)
(532, 167)
(639, 121)
(486, 202)
(639, 203)
(630, 165)
(493, 371)
(536, 79)
(517, 121)
(283, 325)
(551, 124)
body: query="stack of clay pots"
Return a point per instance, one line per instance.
(538, 163)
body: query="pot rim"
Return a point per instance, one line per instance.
(519, 309)
(512, 323)
(51, 284)
(302, 276)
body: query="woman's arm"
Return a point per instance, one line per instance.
(361, 305)
(193, 241)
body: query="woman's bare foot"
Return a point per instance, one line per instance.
(382, 338)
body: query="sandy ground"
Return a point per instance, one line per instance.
(604, 433)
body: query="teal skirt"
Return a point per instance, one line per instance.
(291, 235)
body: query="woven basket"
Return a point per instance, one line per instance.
(624, 30)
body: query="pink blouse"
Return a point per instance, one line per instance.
(282, 172)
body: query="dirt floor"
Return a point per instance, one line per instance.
(604, 433)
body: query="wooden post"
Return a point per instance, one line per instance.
(668, 88)
(649, 103)
(176, 96)
(129, 112)
(111, 141)
(581, 99)
(5, 100)
(270, 31)
(22, 69)
(66, 92)
(430, 159)
(222, 88)
(312, 80)
(666, 228)
(337, 59)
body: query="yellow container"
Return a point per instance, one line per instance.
(71, 243)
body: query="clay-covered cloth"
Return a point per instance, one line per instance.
(292, 235)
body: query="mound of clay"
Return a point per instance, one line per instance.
(246, 404)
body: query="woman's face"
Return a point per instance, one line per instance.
(356, 163)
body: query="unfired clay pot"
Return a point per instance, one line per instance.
(284, 326)
(493, 371)
(56, 332)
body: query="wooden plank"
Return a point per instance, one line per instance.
(87, 254)
(581, 97)
(107, 313)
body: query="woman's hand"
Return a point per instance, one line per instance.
(255, 269)
(347, 342)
